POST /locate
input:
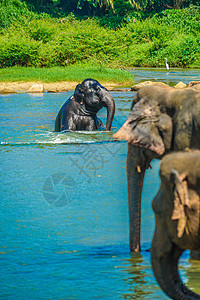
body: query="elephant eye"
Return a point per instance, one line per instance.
(98, 90)
(96, 87)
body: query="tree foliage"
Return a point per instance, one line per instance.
(124, 35)
(99, 7)
(48, 42)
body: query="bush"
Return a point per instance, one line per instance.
(47, 42)
(12, 10)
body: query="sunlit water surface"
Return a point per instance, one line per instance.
(64, 211)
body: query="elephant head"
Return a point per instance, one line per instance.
(162, 119)
(147, 127)
(149, 135)
(79, 111)
(177, 213)
(93, 96)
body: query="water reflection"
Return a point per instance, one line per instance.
(140, 280)
(192, 274)
(137, 277)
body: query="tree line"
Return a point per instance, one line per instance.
(43, 33)
(99, 7)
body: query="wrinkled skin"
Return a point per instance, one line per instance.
(177, 212)
(79, 111)
(162, 119)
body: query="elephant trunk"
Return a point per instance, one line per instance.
(135, 177)
(109, 103)
(165, 267)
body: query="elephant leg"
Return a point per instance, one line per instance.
(70, 124)
(90, 127)
(99, 124)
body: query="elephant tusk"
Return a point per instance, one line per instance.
(139, 169)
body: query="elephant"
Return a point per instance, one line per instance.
(177, 213)
(162, 120)
(79, 111)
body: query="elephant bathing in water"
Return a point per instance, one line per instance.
(162, 119)
(79, 111)
(177, 212)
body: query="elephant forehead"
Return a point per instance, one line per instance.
(90, 84)
(185, 163)
(154, 91)
(145, 107)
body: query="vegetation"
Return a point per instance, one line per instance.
(120, 33)
(76, 72)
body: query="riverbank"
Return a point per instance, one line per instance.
(41, 87)
(65, 86)
(60, 79)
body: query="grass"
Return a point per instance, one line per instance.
(76, 72)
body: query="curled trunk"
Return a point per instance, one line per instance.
(109, 103)
(165, 267)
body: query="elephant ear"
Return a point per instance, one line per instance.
(79, 94)
(165, 127)
(184, 124)
(146, 127)
(181, 201)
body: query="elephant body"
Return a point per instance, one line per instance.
(162, 119)
(177, 212)
(180, 107)
(183, 106)
(79, 111)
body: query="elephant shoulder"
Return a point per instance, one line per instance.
(68, 104)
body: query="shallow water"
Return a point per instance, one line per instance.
(64, 212)
(171, 77)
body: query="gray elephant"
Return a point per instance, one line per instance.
(162, 119)
(79, 111)
(177, 213)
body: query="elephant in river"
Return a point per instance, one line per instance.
(79, 111)
(162, 119)
(177, 213)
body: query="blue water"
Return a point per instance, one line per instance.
(171, 77)
(64, 211)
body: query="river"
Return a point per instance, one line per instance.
(64, 210)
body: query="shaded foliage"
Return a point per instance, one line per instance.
(50, 42)
(126, 37)
(101, 7)
(11, 10)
